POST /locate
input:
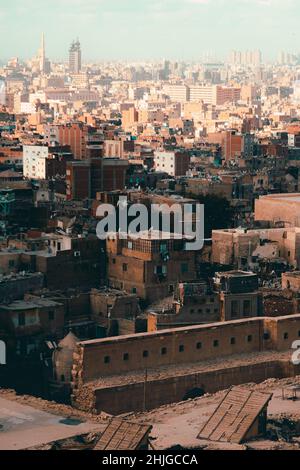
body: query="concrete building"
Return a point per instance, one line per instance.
(119, 148)
(75, 57)
(250, 58)
(216, 95)
(34, 161)
(296, 94)
(204, 93)
(173, 163)
(241, 247)
(279, 209)
(177, 93)
(130, 117)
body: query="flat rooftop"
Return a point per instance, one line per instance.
(291, 197)
(30, 304)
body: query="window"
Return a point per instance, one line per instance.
(114, 261)
(184, 268)
(163, 351)
(192, 310)
(145, 353)
(232, 341)
(199, 345)
(130, 245)
(158, 270)
(11, 263)
(163, 247)
(134, 290)
(247, 308)
(286, 336)
(266, 336)
(126, 357)
(125, 267)
(299, 333)
(171, 289)
(62, 378)
(21, 319)
(199, 310)
(234, 309)
(216, 343)
(181, 348)
(249, 338)
(106, 360)
(51, 316)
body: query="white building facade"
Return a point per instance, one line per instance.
(34, 161)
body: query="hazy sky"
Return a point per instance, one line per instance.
(136, 29)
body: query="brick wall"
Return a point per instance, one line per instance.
(140, 396)
(104, 358)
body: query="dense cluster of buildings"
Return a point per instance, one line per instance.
(77, 136)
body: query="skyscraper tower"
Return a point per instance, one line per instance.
(42, 54)
(75, 57)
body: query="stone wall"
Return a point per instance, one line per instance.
(106, 357)
(142, 396)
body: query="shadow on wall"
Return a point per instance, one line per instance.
(193, 393)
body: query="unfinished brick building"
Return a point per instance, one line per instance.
(194, 303)
(239, 295)
(150, 266)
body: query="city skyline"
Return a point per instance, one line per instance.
(150, 29)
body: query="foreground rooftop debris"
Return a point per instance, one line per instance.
(124, 435)
(240, 415)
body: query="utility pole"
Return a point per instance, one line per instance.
(145, 388)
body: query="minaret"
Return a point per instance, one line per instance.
(42, 54)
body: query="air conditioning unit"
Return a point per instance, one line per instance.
(76, 254)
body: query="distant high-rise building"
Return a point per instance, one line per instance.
(297, 91)
(252, 58)
(285, 58)
(2, 92)
(75, 57)
(40, 62)
(42, 53)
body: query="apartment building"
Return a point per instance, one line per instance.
(173, 163)
(150, 266)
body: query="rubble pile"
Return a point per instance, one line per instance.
(283, 429)
(53, 407)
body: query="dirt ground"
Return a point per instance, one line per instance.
(179, 424)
